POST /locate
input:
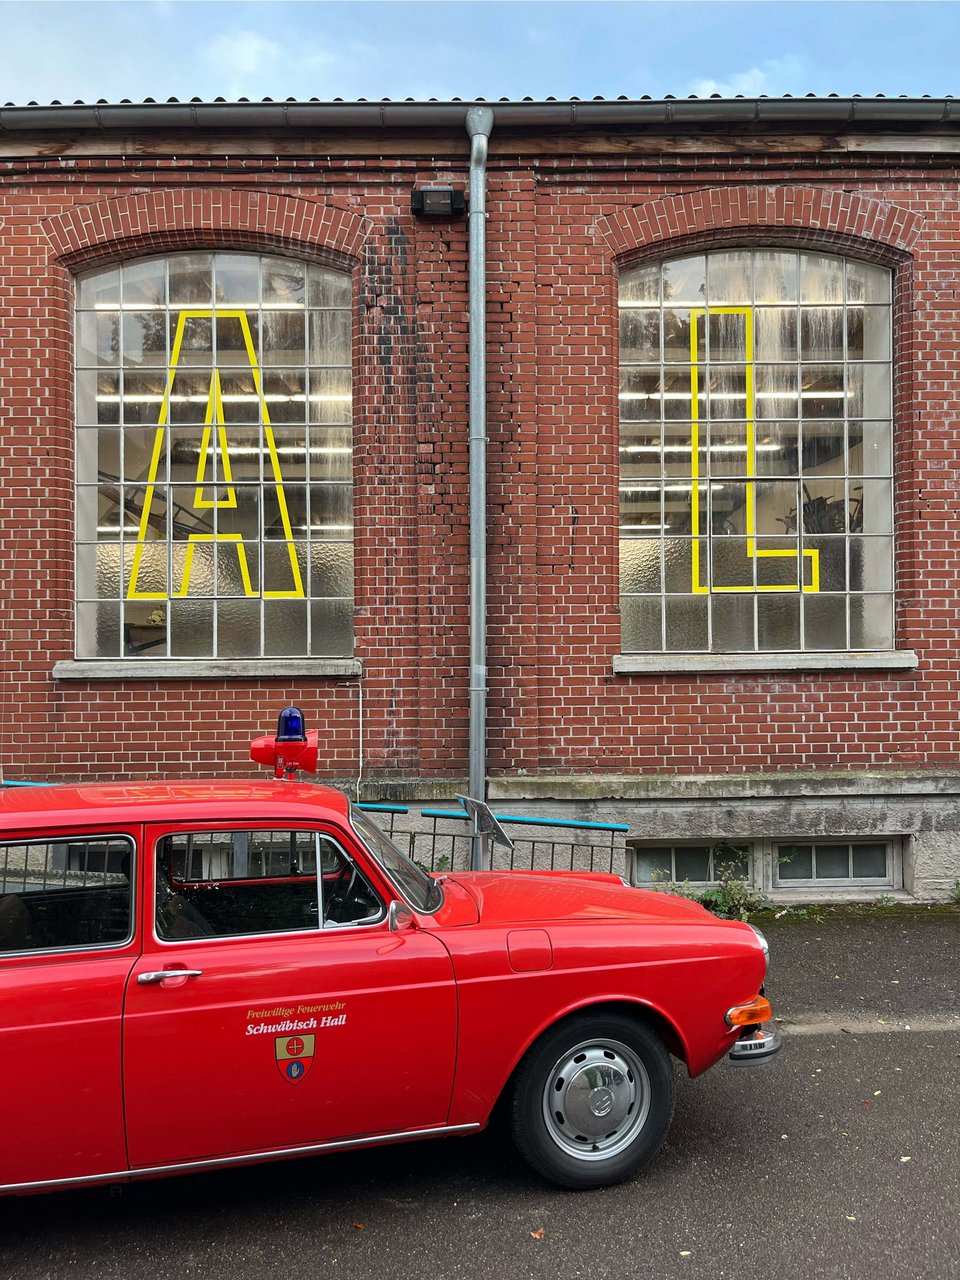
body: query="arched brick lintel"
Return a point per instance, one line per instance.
(185, 218)
(789, 210)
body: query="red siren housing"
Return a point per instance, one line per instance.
(290, 749)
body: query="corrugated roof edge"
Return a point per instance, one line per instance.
(411, 113)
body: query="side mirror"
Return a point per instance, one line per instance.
(400, 917)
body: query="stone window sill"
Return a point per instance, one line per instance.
(762, 664)
(206, 669)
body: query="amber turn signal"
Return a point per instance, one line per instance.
(745, 1015)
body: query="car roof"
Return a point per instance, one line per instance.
(127, 803)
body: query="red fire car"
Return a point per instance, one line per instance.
(261, 961)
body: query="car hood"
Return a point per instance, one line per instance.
(525, 897)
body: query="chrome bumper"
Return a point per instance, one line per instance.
(756, 1046)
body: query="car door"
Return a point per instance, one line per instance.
(283, 1022)
(67, 945)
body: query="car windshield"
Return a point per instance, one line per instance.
(420, 890)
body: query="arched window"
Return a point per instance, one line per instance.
(214, 459)
(756, 504)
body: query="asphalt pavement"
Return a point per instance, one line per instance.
(840, 1158)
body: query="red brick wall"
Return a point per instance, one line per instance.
(559, 227)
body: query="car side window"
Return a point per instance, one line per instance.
(66, 893)
(231, 883)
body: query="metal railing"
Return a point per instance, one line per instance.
(439, 840)
(539, 844)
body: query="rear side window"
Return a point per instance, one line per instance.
(65, 893)
(230, 883)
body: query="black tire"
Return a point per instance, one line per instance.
(591, 1071)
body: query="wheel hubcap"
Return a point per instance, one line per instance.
(596, 1099)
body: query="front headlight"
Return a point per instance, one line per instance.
(763, 943)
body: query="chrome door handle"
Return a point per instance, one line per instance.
(147, 978)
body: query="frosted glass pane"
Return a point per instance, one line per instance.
(284, 627)
(640, 570)
(98, 630)
(778, 622)
(686, 622)
(238, 628)
(279, 561)
(331, 569)
(871, 564)
(832, 561)
(641, 624)
(232, 559)
(191, 628)
(98, 571)
(678, 563)
(332, 628)
(778, 563)
(731, 565)
(824, 622)
(733, 623)
(871, 622)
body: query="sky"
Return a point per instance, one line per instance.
(135, 49)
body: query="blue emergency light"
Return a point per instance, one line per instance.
(291, 749)
(290, 727)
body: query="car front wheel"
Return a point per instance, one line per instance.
(593, 1100)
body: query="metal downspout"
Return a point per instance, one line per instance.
(479, 122)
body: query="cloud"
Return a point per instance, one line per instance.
(775, 76)
(243, 53)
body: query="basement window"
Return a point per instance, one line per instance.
(834, 864)
(701, 863)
